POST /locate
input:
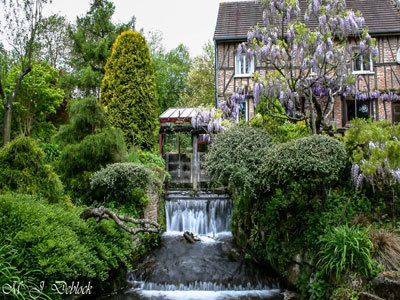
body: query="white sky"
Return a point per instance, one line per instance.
(190, 22)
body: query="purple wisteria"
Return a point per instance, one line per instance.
(308, 63)
(390, 97)
(382, 176)
(364, 96)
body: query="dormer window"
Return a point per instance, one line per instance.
(361, 64)
(243, 65)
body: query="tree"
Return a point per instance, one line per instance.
(128, 90)
(310, 64)
(92, 40)
(55, 43)
(37, 97)
(201, 79)
(21, 20)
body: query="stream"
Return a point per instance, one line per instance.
(211, 268)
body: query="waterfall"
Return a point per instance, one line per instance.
(211, 268)
(198, 216)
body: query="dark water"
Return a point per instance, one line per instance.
(211, 268)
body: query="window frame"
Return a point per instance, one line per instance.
(246, 102)
(361, 57)
(394, 104)
(346, 112)
(239, 66)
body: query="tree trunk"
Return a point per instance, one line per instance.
(7, 124)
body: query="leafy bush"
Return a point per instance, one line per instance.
(236, 155)
(61, 245)
(128, 90)
(24, 169)
(9, 273)
(89, 144)
(316, 162)
(280, 130)
(124, 183)
(374, 148)
(346, 248)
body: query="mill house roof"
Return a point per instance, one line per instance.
(235, 18)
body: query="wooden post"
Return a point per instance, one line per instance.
(195, 162)
(160, 144)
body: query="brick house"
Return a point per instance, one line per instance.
(383, 20)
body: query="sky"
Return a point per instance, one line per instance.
(190, 22)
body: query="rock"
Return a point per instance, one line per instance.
(368, 296)
(293, 273)
(290, 295)
(387, 285)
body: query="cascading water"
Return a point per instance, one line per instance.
(209, 269)
(198, 216)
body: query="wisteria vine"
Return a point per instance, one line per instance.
(307, 61)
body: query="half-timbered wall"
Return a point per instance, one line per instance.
(386, 76)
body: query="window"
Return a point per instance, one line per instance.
(243, 107)
(361, 64)
(396, 113)
(357, 109)
(243, 65)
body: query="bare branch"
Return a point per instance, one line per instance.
(105, 213)
(2, 92)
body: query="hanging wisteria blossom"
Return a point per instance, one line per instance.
(390, 97)
(306, 62)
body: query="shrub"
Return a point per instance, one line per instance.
(124, 183)
(23, 169)
(89, 144)
(236, 155)
(128, 90)
(346, 248)
(316, 162)
(61, 245)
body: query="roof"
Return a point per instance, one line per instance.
(173, 114)
(235, 18)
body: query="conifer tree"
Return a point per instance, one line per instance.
(128, 90)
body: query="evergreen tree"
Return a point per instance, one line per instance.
(92, 40)
(128, 90)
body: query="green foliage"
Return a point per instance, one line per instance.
(346, 248)
(37, 98)
(24, 169)
(235, 156)
(87, 117)
(92, 41)
(88, 144)
(10, 274)
(171, 71)
(52, 151)
(280, 130)
(78, 161)
(201, 79)
(60, 244)
(316, 162)
(375, 148)
(124, 183)
(128, 90)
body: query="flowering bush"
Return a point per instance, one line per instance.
(374, 148)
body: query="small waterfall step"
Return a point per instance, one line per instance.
(205, 213)
(199, 195)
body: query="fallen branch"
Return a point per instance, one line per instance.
(105, 213)
(189, 237)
